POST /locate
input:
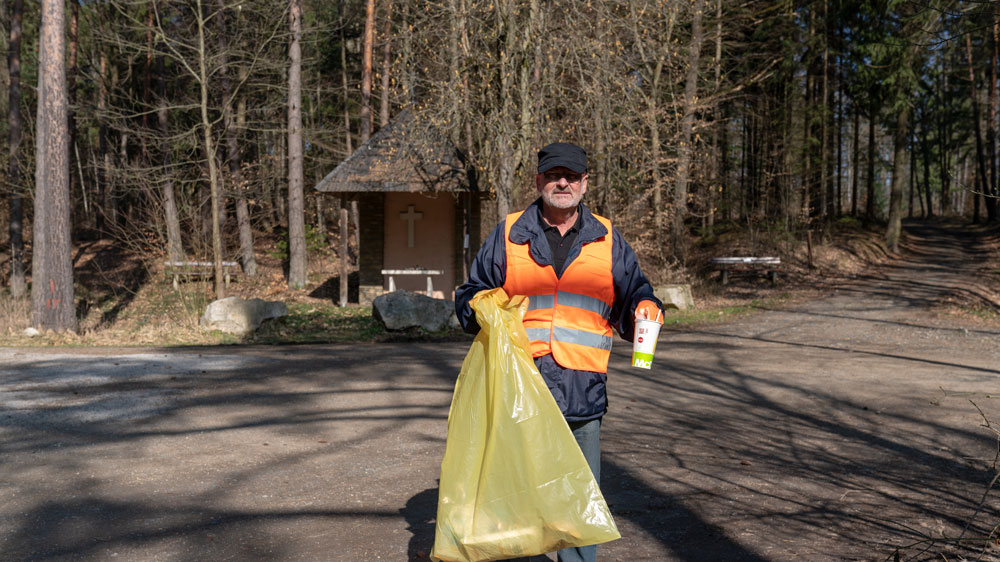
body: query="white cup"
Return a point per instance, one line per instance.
(644, 343)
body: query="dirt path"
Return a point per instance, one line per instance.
(833, 430)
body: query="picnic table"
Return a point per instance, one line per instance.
(178, 269)
(753, 265)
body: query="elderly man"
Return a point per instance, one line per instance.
(581, 279)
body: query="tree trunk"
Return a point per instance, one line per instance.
(296, 204)
(902, 132)
(175, 246)
(343, 77)
(926, 146)
(383, 114)
(838, 207)
(856, 162)
(685, 149)
(234, 154)
(991, 127)
(825, 200)
(870, 202)
(71, 72)
(715, 165)
(654, 151)
(52, 305)
(366, 71)
(18, 285)
(913, 176)
(985, 178)
(209, 147)
(103, 190)
(242, 208)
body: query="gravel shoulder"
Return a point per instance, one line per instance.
(838, 428)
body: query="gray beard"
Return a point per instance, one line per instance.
(561, 203)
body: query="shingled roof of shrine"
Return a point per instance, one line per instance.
(407, 155)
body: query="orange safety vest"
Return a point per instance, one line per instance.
(567, 316)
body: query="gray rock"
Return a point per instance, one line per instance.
(239, 316)
(31, 332)
(399, 310)
(675, 296)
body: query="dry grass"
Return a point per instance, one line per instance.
(15, 314)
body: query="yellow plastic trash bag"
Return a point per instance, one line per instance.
(513, 480)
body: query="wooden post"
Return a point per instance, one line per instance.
(809, 247)
(343, 250)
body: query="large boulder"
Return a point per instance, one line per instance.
(400, 310)
(675, 296)
(240, 316)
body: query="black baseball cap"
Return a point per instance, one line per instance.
(562, 154)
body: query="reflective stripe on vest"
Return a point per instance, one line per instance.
(567, 316)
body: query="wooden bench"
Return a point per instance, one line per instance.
(178, 269)
(768, 266)
(412, 271)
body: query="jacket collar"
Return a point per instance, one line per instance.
(528, 229)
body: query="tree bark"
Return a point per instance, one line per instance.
(71, 72)
(685, 148)
(209, 147)
(366, 71)
(103, 189)
(383, 114)
(242, 208)
(856, 162)
(985, 178)
(825, 199)
(900, 135)
(913, 176)
(52, 305)
(234, 154)
(991, 127)
(296, 203)
(838, 207)
(926, 146)
(175, 247)
(18, 285)
(870, 200)
(343, 77)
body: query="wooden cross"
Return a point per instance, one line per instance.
(410, 216)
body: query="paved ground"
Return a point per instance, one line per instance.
(835, 430)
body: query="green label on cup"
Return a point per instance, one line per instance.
(642, 360)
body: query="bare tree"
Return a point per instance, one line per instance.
(52, 305)
(18, 284)
(383, 114)
(175, 247)
(209, 148)
(296, 204)
(233, 152)
(685, 149)
(985, 179)
(366, 71)
(343, 76)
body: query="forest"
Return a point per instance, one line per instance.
(191, 129)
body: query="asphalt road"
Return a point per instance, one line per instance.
(837, 429)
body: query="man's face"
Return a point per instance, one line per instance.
(561, 188)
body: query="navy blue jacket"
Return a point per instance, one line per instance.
(581, 395)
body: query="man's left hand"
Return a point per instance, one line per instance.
(647, 310)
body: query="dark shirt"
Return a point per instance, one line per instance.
(558, 243)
